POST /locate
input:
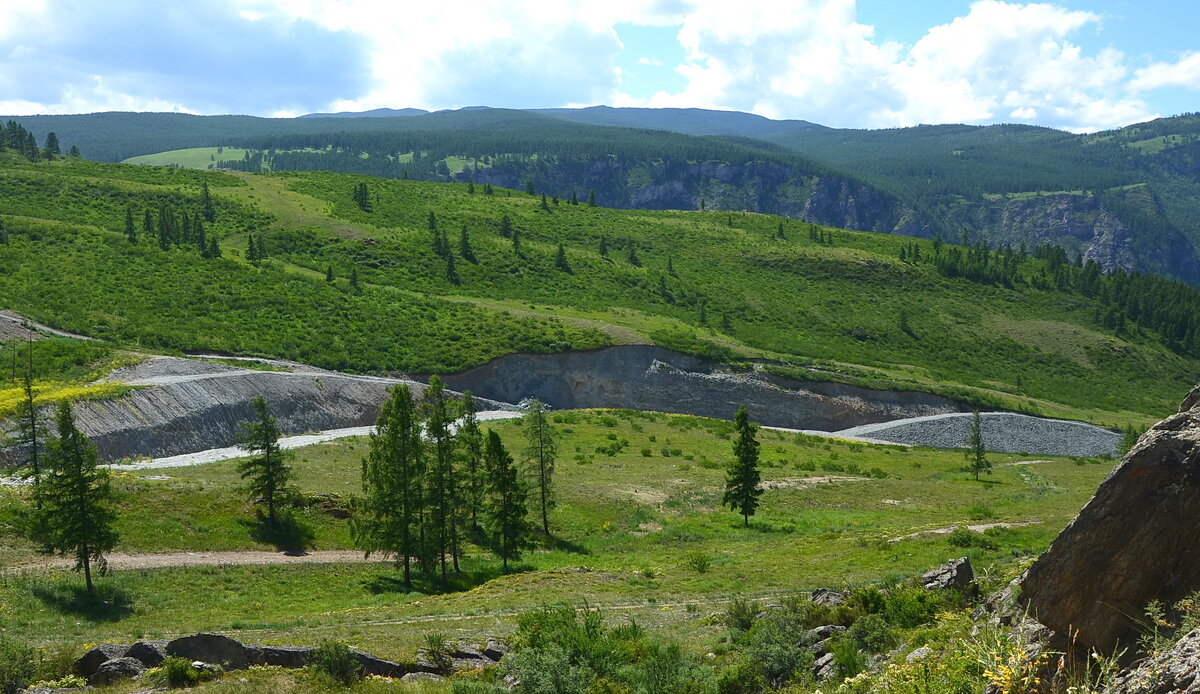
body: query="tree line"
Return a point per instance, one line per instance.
(14, 137)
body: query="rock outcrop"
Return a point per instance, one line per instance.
(115, 670)
(1175, 671)
(955, 574)
(1134, 542)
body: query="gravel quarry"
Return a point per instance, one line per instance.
(1004, 432)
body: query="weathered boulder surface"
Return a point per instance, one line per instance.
(1134, 542)
(1176, 671)
(115, 670)
(217, 649)
(373, 665)
(828, 597)
(148, 653)
(285, 656)
(91, 661)
(955, 574)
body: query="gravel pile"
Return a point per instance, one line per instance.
(1002, 431)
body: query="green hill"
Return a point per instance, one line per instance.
(1006, 330)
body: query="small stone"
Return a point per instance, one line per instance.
(422, 677)
(919, 654)
(827, 597)
(115, 670)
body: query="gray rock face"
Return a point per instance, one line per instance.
(494, 649)
(148, 653)
(827, 597)
(285, 656)
(955, 574)
(372, 665)
(115, 670)
(1134, 542)
(422, 677)
(1177, 671)
(89, 662)
(651, 378)
(216, 649)
(1002, 431)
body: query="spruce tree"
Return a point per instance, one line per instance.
(206, 204)
(74, 152)
(560, 260)
(779, 233)
(506, 519)
(267, 470)
(671, 267)
(432, 221)
(30, 439)
(464, 246)
(471, 187)
(130, 228)
(516, 242)
(452, 272)
(976, 453)
(574, 198)
(506, 227)
(329, 274)
(200, 234)
(354, 286)
(591, 198)
(545, 206)
(52, 147)
(529, 186)
(742, 479)
(3, 234)
(214, 249)
(148, 223)
(541, 448)
(603, 247)
(78, 512)
(386, 520)
(472, 471)
(633, 257)
(442, 501)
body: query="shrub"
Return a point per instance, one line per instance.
(439, 652)
(742, 677)
(772, 645)
(549, 670)
(962, 537)
(334, 660)
(871, 633)
(17, 665)
(699, 562)
(177, 672)
(980, 512)
(740, 613)
(848, 661)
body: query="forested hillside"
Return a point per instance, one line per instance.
(375, 275)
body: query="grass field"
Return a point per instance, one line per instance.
(629, 527)
(194, 158)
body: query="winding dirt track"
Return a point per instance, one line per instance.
(181, 559)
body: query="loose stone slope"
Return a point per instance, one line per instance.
(1002, 431)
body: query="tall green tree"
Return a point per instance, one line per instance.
(386, 520)
(560, 259)
(443, 494)
(541, 449)
(267, 470)
(52, 147)
(591, 198)
(207, 209)
(506, 226)
(451, 271)
(78, 513)
(742, 479)
(473, 473)
(29, 438)
(464, 246)
(976, 453)
(130, 228)
(506, 518)
(148, 223)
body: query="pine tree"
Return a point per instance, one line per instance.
(603, 247)
(633, 257)
(540, 451)
(472, 470)
(671, 267)
(560, 259)
(148, 223)
(529, 186)
(354, 286)
(574, 198)
(185, 235)
(506, 226)
(206, 204)
(386, 520)
(52, 147)
(976, 453)
(591, 198)
(451, 271)
(29, 439)
(741, 482)
(201, 235)
(506, 519)
(164, 229)
(78, 512)
(329, 274)
(252, 250)
(544, 205)
(267, 469)
(214, 248)
(464, 246)
(779, 232)
(130, 228)
(442, 501)
(432, 221)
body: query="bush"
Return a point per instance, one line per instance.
(177, 672)
(699, 562)
(742, 677)
(17, 666)
(439, 652)
(772, 645)
(549, 670)
(848, 661)
(740, 613)
(962, 537)
(334, 660)
(872, 634)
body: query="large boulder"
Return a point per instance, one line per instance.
(148, 653)
(1176, 671)
(217, 649)
(285, 656)
(1134, 542)
(89, 662)
(373, 665)
(955, 574)
(115, 670)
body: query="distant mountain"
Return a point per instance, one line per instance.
(373, 113)
(689, 121)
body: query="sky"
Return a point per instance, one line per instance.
(1070, 64)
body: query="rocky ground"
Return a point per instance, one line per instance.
(1002, 431)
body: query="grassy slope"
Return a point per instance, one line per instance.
(631, 520)
(193, 158)
(831, 311)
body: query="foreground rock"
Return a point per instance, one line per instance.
(115, 670)
(955, 574)
(91, 661)
(1177, 671)
(1134, 542)
(216, 649)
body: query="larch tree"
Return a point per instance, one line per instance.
(207, 209)
(442, 501)
(742, 479)
(267, 471)
(29, 438)
(78, 512)
(386, 520)
(976, 453)
(506, 517)
(472, 470)
(130, 227)
(52, 146)
(560, 259)
(541, 449)
(464, 246)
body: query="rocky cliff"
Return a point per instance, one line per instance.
(1134, 542)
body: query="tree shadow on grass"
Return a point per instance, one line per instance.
(455, 583)
(109, 604)
(563, 545)
(286, 533)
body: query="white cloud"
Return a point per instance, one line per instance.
(652, 62)
(1184, 72)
